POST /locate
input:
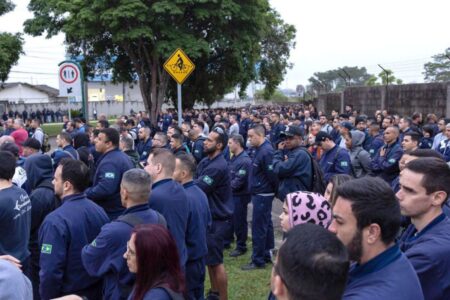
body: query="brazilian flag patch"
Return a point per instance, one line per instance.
(208, 180)
(46, 249)
(242, 172)
(344, 164)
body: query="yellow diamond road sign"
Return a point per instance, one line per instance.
(179, 66)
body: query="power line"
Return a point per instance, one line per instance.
(38, 73)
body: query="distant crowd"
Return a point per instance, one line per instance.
(140, 209)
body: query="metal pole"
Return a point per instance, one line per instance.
(179, 103)
(387, 85)
(123, 98)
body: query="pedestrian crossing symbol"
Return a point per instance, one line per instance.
(179, 66)
(46, 249)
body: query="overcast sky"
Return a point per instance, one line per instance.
(398, 34)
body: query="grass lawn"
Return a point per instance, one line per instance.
(244, 284)
(52, 129)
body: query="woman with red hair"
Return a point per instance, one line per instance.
(153, 256)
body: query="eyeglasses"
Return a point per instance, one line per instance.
(130, 252)
(143, 164)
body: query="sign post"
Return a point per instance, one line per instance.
(179, 66)
(71, 84)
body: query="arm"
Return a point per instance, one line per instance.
(208, 180)
(107, 181)
(52, 241)
(364, 160)
(286, 168)
(241, 179)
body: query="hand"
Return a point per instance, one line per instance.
(69, 297)
(12, 260)
(382, 151)
(281, 145)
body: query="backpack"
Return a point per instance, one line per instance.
(45, 147)
(318, 184)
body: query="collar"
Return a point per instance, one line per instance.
(239, 155)
(377, 263)
(433, 223)
(136, 208)
(67, 147)
(158, 183)
(73, 197)
(189, 184)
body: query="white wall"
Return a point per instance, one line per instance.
(22, 93)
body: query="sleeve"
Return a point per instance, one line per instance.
(389, 163)
(98, 258)
(342, 163)
(425, 268)
(287, 168)
(241, 178)
(108, 176)
(208, 180)
(53, 247)
(268, 165)
(197, 152)
(364, 160)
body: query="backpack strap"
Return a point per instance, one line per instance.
(173, 295)
(71, 155)
(133, 219)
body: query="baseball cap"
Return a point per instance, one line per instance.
(32, 143)
(347, 125)
(322, 136)
(292, 131)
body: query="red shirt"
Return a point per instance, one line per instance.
(20, 135)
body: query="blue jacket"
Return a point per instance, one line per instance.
(66, 152)
(335, 161)
(144, 148)
(199, 220)
(295, 173)
(15, 220)
(166, 122)
(387, 166)
(155, 294)
(244, 126)
(386, 276)
(213, 177)
(169, 199)
(426, 143)
(240, 170)
(63, 234)
(262, 179)
(105, 190)
(197, 149)
(376, 143)
(275, 133)
(428, 252)
(104, 256)
(444, 149)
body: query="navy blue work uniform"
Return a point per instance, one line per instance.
(63, 234)
(199, 222)
(389, 275)
(387, 166)
(263, 184)
(428, 252)
(244, 126)
(376, 143)
(169, 199)
(105, 190)
(444, 149)
(240, 166)
(213, 177)
(66, 152)
(335, 161)
(39, 169)
(275, 133)
(294, 172)
(103, 258)
(197, 149)
(166, 122)
(144, 148)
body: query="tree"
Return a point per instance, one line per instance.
(385, 77)
(225, 39)
(277, 96)
(338, 79)
(439, 68)
(10, 45)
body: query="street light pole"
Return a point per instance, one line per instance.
(387, 84)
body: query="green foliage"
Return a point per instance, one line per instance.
(439, 68)
(276, 96)
(385, 77)
(10, 45)
(336, 80)
(133, 38)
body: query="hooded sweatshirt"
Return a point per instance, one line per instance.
(39, 170)
(360, 158)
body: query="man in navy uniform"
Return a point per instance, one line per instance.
(144, 147)
(366, 218)
(424, 189)
(240, 165)
(335, 160)
(168, 197)
(213, 177)
(104, 256)
(65, 231)
(385, 162)
(199, 221)
(263, 185)
(110, 167)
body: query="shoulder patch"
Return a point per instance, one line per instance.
(242, 172)
(392, 161)
(46, 249)
(110, 175)
(344, 163)
(208, 180)
(94, 243)
(270, 167)
(371, 151)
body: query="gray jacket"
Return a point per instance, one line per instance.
(360, 158)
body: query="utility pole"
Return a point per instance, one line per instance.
(387, 84)
(348, 76)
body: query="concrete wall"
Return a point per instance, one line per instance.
(23, 93)
(397, 99)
